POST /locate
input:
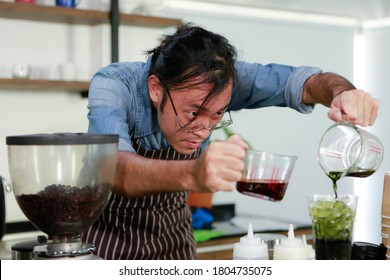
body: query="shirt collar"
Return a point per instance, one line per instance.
(146, 115)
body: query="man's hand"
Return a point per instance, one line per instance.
(220, 165)
(346, 103)
(354, 106)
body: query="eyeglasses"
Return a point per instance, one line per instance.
(196, 126)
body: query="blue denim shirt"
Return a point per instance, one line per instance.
(119, 102)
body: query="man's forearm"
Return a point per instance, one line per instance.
(322, 88)
(139, 176)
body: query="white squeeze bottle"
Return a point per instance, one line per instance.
(250, 247)
(291, 248)
(311, 252)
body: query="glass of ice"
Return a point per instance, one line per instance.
(332, 223)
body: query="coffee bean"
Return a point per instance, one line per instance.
(64, 211)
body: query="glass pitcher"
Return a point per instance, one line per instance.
(346, 150)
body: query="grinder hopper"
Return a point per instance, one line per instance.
(61, 182)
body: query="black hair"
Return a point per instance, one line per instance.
(193, 52)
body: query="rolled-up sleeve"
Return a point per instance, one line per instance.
(294, 88)
(260, 85)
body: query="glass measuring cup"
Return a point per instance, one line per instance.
(266, 175)
(346, 150)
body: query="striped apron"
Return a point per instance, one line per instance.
(157, 226)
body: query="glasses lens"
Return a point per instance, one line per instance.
(223, 124)
(195, 126)
(192, 127)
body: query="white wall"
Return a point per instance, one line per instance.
(369, 190)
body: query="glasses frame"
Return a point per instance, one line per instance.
(192, 126)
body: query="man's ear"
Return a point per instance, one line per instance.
(155, 89)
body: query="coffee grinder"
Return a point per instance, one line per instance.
(62, 182)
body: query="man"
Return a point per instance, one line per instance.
(164, 111)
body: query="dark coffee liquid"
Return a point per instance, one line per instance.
(332, 249)
(266, 189)
(64, 211)
(361, 174)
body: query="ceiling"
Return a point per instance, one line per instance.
(359, 9)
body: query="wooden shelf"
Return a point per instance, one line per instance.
(22, 84)
(148, 21)
(78, 16)
(52, 14)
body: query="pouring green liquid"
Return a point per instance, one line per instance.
(335, 176)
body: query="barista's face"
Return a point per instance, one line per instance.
(187, 103)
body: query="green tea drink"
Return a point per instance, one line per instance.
(335, 176)
(332, 223)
